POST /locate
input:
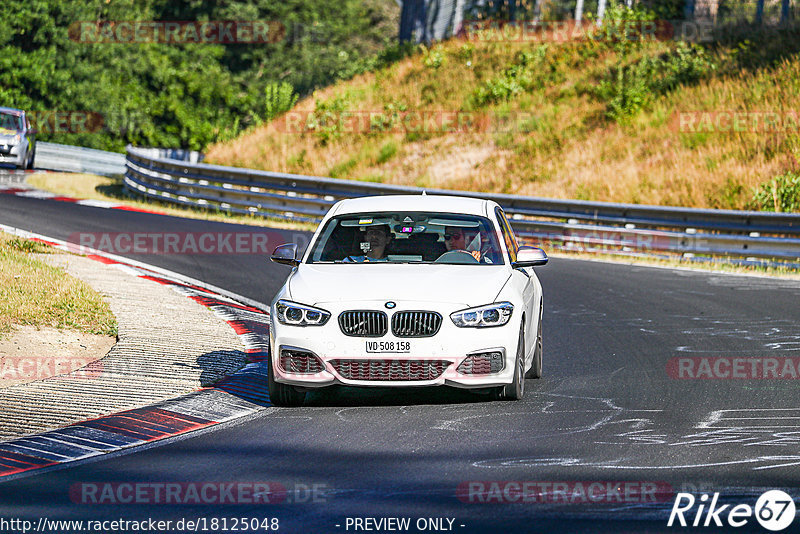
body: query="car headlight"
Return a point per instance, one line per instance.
(496, 314)
(294, 314)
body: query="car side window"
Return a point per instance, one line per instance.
(508, 235)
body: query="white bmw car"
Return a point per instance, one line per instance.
(399, 291)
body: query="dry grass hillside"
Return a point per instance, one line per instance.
(592, 118)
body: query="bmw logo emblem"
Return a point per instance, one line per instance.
(390, 305)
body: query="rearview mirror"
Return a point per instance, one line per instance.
(530, 257)
(286, 254)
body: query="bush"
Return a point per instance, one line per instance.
(433, 59)
(628, 92)
(686, 65)
(387, 152)
(782, 193)
(621, 25)
(522, 76)
(326, 120)
(279, 98)
(628, 89)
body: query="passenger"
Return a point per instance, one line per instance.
(377, 238)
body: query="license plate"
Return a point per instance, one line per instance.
(397, 347)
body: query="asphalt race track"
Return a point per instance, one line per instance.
(607, 410)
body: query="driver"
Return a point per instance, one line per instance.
(373, 243)
(455, 239)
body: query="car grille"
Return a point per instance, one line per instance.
(390, 369)
(363, 323)
(416, 323)
(293, 361)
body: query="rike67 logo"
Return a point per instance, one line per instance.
(774, 510)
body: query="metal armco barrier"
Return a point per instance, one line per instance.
(55, 157)
(568, 224)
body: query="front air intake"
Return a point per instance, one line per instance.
(300, 362)
(484, 363)
(390, 370)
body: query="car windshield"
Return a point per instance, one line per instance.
(10, 122)
(408, 237)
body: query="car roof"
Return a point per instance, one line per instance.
(11, 111)
(434, 203)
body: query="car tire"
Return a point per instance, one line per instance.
(536, 367)
(282, 394)
(516, 389)
(30, 160)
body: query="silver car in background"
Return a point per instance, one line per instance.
(17, 139)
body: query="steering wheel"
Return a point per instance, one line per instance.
(456, 256)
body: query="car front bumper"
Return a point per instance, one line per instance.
(13, 154)
(418, 366)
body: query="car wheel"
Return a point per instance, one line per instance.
(30, 160)
(536, 367)
(282, 394)
(516, 389)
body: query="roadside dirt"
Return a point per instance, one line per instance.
(28, 354)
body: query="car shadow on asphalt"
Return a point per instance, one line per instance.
(343, 396)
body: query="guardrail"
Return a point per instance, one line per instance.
(55, 157)
(567, 224)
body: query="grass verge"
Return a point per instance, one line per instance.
(36, 294)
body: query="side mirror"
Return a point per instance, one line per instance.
(286, 254)
(530, 257)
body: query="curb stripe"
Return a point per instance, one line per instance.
(45, 195)
(237, 395)
(101, 259)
